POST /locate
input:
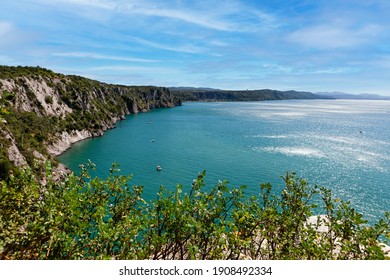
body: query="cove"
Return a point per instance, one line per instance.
(343, 145)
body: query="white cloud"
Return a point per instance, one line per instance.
(216, 15)
(231, 16)
(5, 28)
(183, 48)
(336, 70)
(100, 56)
(276, 68)
(12, 38)
(381, 62)
(102, 4)
(140, 74)
(334, 36)
(186, 16)
(218, 43)
(138, 69)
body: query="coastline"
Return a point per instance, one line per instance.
(67, 140)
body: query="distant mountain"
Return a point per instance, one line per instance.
(343, 95)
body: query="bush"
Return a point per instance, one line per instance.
(92, 218)
(48, 99)
(5, 167)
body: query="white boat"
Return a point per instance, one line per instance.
(158, 168)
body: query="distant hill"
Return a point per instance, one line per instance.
(343, 95)
(209, 94)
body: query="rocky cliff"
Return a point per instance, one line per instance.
(42, 113)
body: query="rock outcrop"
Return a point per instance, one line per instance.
(13, 151)
(66, 139)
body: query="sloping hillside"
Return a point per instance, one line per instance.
(42, 113)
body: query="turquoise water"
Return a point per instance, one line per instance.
(343, 145)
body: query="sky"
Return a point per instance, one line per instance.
(316, 46)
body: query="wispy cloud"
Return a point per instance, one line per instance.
(188, 48)
(276, 68)
(5, 28)
(215, 15)
(156, 75)
(101, 4)
(138, 69)
(336, 70)
(102, 57)
(227, 16)
(335, 35)
(186, 16)
(13, 38)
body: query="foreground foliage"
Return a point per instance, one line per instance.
(91, 218)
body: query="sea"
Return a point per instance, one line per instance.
(343, 145)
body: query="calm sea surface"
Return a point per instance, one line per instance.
(343, 145)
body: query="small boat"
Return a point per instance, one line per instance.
(158, 168)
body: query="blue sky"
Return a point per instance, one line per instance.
(283, 44)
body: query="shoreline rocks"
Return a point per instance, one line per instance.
(65, 141)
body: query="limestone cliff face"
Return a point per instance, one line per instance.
(66, 139)
(12, 149)
(31, 96)
(63, 110)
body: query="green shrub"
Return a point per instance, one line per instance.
(48, 99)
(5, 167)
(91, 218)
